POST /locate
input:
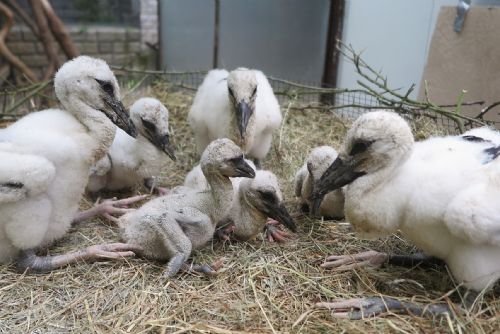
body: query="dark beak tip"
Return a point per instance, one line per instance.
(132, 131)
(170, 153)
(291, 225)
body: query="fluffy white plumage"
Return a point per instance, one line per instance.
(316, 164)
(441, 193)
(214, 113)
(46, 156)
(171, 226)
(254, 201)
(196, 180)
(132, 161)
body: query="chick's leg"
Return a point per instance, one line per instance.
(109, 209)
(376, 259)
(361, 308)
(29, 261)
(150, 183)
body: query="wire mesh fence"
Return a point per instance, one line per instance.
(347, 103)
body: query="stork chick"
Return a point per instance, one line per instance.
(44, 164)
(134, 161)
(441, 193)
(316, 164)
(239, 105)
(171, 226)
(257, 205)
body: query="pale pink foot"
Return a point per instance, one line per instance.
(274, 233)
(225, 232)
(162, 191)
(109, 209)
(348, 262)
(114, 251)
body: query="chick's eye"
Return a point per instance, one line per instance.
(236, 160)
(267, 196)
(106, 86)
(360, 147)
(254, 91)
(148, 125)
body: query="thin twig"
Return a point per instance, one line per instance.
(27, 97)
(373, 80)
(487, 109)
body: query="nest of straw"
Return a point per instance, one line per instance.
(263, 287)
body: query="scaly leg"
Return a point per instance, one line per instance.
(174, 265)
(377, 259)
(39, 264)
(257, 163)
(150, 183)
(361, 308)
(109, 209)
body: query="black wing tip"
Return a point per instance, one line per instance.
(492, 152)
(475, 139)
(15, 185)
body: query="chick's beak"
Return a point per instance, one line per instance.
(243, 169)
(340, 173)
(243, 114)
(279, 212)
(119, 115)
(167, 147)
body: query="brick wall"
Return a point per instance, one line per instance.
(117, 45)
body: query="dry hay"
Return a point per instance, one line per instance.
(263, 288)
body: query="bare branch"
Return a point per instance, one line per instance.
(24, 16)
(4, 50)
(59, 31)
(373, 80)
(46, 38)
(487, 109)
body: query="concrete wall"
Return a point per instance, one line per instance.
(284, 38)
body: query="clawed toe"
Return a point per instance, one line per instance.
(112, 251)
(274, 234)
(205, 269)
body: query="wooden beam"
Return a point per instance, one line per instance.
(335, 27)
(59, 31)
(216, 34)
(4, 50)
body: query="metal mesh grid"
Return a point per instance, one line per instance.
(348, 104)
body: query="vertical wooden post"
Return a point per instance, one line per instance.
(216, 34)
(335, 26)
